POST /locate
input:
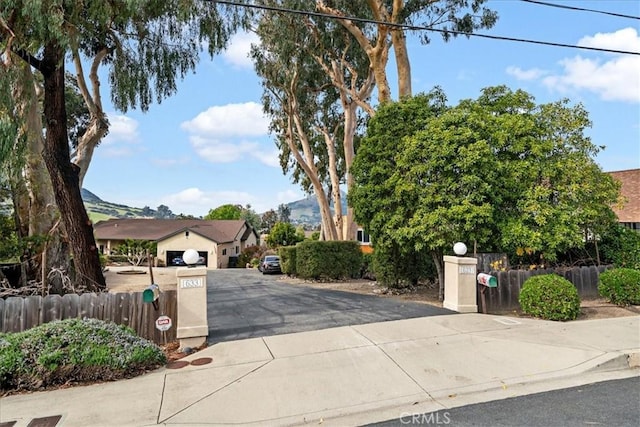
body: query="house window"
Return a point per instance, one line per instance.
(237, 249)
(224, 252)
(363, 237)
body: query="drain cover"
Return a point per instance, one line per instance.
(177, 364)
(51, 421)
(201, 361)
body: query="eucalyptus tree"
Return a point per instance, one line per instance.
(147, 46)
(448, 17)
(316, 81)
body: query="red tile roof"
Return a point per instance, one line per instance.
(630, 189)
(220, 231)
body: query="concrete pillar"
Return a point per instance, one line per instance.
(192, 328)
(460, 284)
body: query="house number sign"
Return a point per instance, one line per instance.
(191, 283)
(467, 269)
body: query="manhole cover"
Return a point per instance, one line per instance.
(201, 361)
(177, 364)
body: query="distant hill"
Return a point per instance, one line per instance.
(305, 211)
(99, 210)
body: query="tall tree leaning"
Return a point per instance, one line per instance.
(43, 33)
(316, 66)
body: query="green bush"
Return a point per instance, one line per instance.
(330, 260)
(288, 260)
(248, 254)
(620, 286)
(551, 297)
(621, 246)
(73, 351)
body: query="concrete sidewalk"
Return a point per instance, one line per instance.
(352, 375)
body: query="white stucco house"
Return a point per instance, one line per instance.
(217, 241)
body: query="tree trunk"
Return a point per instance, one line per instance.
(439, 262)
(64, 175)
(43, 213)
(403, 65)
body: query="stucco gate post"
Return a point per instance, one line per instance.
(193, 328)
(460, 286)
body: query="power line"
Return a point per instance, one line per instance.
(562, 6)
(418, 28)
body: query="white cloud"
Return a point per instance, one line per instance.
(231, 133)
(530, 74)
(121, 129)
(198, 202)
(229, 120)
(626, 39)
(613, 79)
(237, 54)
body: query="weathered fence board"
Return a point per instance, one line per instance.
(22, 313)
(505, 296)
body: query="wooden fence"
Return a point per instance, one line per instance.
(505, 296)
(21, 313)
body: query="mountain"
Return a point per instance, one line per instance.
(307, 210)
(99, 210)
(304, 211)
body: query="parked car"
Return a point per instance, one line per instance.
(178, 261)
(201, 261)
(270, 264)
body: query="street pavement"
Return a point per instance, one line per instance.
(351, 375)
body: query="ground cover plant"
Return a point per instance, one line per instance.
(621, 286)
(550, 297)
(73, 351)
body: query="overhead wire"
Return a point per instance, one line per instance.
(581, 9)
(418, 28)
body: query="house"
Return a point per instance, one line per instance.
(218, 241)
(629, 214)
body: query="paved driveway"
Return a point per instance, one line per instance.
(243, 303)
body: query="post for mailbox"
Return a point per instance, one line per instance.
(459, 281)
(192, 329)
(485, 281)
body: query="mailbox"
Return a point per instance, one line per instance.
(487, 280)
(151, 294)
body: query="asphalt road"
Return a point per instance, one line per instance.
(244, 303)
(608, 403)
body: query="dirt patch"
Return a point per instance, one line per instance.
(122, 278)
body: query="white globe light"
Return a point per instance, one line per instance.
(190, 256)
(460, 248)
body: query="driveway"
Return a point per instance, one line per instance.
(243, 303)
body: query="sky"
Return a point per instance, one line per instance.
(209, 144)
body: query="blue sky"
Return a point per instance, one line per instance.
(208, 145)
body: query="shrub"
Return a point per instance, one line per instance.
(551, 297)
(620, 286)
(248, 254)
(288, 260)
(621, 247)
(328, 259)
(73, 351)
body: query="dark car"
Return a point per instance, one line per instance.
(270, 264)
(178, 261)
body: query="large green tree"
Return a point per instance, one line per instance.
(227, 211)
(147, 46)
(499, 171)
